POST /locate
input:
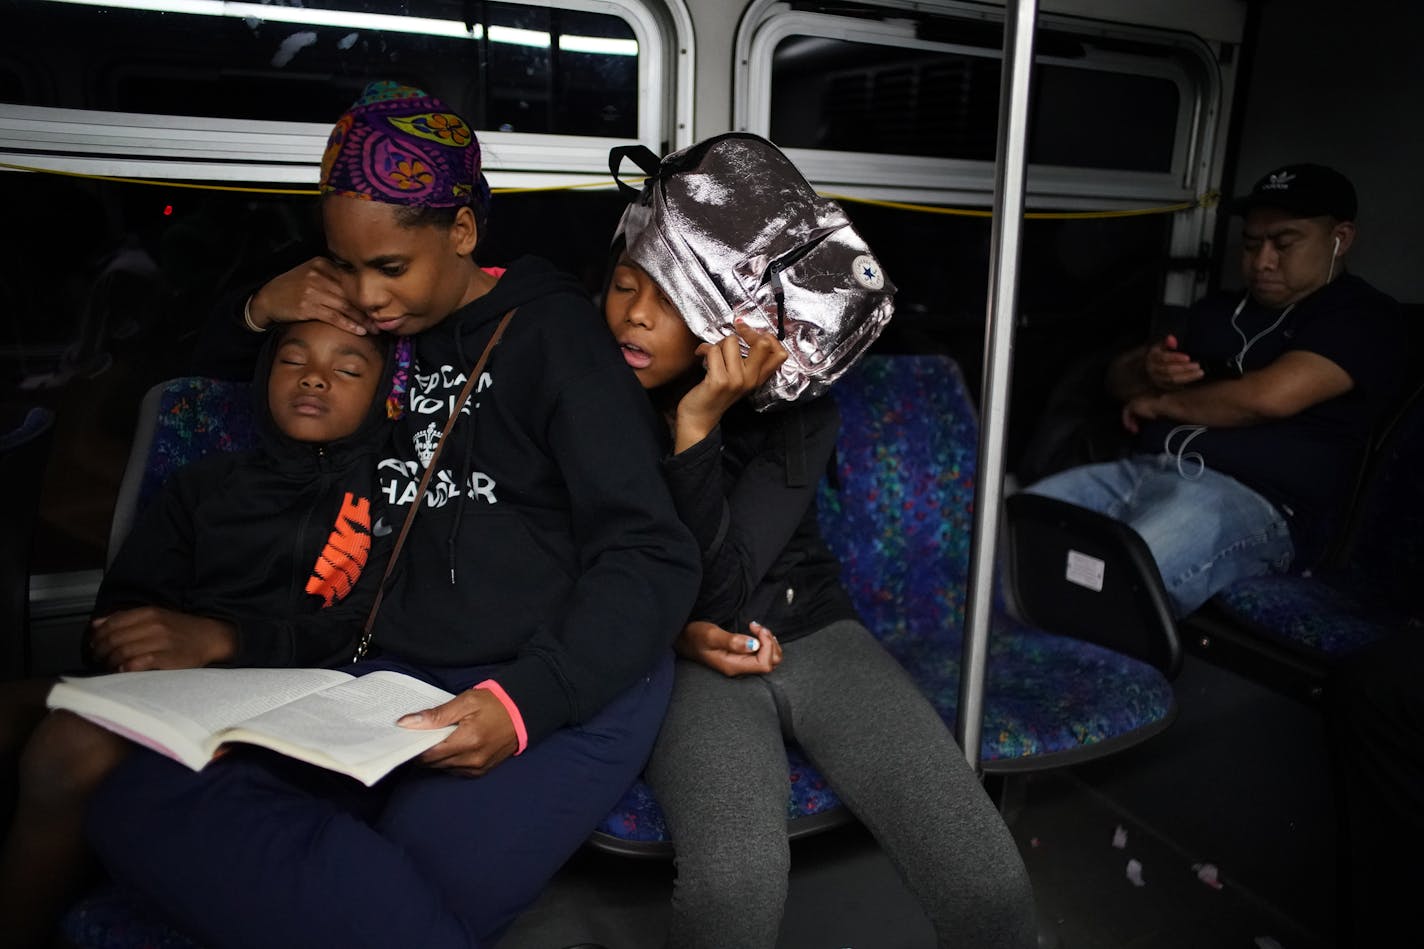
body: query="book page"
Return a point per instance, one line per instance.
(180, 709)
(351, 727)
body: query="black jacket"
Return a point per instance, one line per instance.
(237, 536)
(751, 504)
(548, 543)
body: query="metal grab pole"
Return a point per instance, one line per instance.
(1006, 240)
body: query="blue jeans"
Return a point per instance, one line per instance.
(1204, 532)
(261, 850)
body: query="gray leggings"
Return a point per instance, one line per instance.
(719, 771)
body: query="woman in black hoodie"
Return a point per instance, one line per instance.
(252, 558)
(542, 581)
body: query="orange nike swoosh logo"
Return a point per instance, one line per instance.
(346, 552)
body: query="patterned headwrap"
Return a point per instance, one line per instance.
(400, 145)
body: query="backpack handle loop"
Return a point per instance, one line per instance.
(641, 155)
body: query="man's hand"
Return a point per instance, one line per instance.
(150, 637)
(309, 291)
(1292, 383)
(1167, 368)
(484, 734)
(729, 653)
(730, 377)
(1144, 408)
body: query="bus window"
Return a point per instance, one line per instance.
(894, 102)
(944, 104)
(854, 90)
(223, 110)
(511, 67)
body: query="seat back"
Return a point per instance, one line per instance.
(24, 455)
(1289, 631)
(900, 516)
(900, 519)
(1385, 553)
(180, 420)
(1083, 574)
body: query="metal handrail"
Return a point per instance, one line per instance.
(1010, 169)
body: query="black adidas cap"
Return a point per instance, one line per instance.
(1307, 190)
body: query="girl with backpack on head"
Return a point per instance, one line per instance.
(774, 650)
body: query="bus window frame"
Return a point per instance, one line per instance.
(198, 148)
(1199, 149)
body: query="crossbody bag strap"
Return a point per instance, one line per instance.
(370, 625)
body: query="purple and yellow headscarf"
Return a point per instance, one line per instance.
(400, 145)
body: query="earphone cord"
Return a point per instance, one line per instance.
(1192, 431)
(1240, 359)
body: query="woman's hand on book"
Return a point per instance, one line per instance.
(150, 637)
(729, 653)
(484, 733)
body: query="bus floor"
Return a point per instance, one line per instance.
(1218, 833)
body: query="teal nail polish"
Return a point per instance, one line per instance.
(752, 645)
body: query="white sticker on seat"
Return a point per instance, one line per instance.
(1085, 571)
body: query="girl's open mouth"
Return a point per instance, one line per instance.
(635, 357)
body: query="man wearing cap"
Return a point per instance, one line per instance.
(1250, 423)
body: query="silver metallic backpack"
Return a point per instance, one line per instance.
(728, 229)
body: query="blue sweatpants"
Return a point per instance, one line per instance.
(260, 850)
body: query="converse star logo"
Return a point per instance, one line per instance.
(1280, 181)
(867, 272)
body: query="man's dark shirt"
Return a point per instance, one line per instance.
(1304, 464)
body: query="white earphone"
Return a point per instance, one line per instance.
(1337, 248)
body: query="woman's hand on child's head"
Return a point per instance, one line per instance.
(729, 653)
(484, 733)
(309, 291)
(150, 637)
(731, 375)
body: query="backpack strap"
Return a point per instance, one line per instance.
(653, 166)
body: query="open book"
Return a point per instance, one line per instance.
(327, 718)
